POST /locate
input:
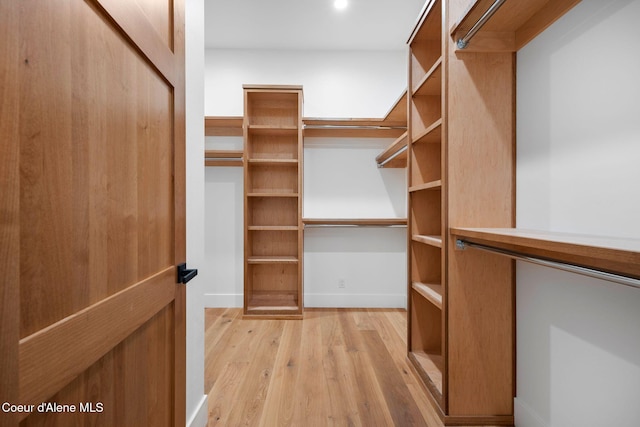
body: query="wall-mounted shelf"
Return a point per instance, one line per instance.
(514, 24)
(223, 126)
(355, 222)
(613, 255)
(223, 157)
(395, 155)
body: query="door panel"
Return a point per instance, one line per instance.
(92, 110)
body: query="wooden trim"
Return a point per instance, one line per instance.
(93, 332)
(180, 211)
(10, 202)
(615, 255)
(354, 132)
(131, 20)
(355, 221)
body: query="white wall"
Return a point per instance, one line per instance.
(578, 170)
(196, 404)
(336, 84)
(341, 180)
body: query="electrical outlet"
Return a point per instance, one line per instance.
(341, 283)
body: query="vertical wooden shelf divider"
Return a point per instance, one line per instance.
(273, 231)
(461, 174)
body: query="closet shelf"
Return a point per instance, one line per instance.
(273, 228)
(271, 259)
(433, 185)
(356, 222)
(272, 129)
(431, 135)
(614, 255)
(272, 161)
(513, 26)
(274, 193)
(431, 83)
(395, 155)
(431, 291)
(435, 240)
(223, 126)
(223, 157)
(429, 367)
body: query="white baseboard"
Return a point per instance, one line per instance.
(200, 417)
(223, 300)
(355, 300)
(525, 416)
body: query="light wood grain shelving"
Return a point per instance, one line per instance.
(514, 25)
(223, 158)
(461, 174)
(355, 221)
(609, 254)
(273, 201)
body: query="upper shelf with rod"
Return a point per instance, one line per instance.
(608, 258)
(505, 25)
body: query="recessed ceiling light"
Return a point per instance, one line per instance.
(340, 4)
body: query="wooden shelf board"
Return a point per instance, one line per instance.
(400, 161)
(354, 221)
(433, 185)
(272, 130)
(272, 260)
(428, 240)
(430, 367)
(512, 26)
(398, 111)
(272, 161)
(266, 193)
(223, 126)
(431, 291)
(223, 162)
(273, 228)
(615, 255)
(431, 83)
(432, 134)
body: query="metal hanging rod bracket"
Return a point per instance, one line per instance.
(463, 42)
(571, 268)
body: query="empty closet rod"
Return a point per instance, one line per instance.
(571, 268)
(464, 41)
(393, 156)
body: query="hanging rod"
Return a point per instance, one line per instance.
(571, 268)
(393, 156)
(463, 42)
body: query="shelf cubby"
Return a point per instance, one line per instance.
(273, 201)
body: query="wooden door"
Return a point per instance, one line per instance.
(92, 220)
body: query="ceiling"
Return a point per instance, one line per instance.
(309, 24)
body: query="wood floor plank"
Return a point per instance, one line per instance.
(279, 406)
(336, 367)
(261, 354)
(402, 407)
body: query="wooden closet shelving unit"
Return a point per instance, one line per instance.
(273, 240)
(461, 128)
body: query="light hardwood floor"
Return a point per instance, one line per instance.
(337, 367)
